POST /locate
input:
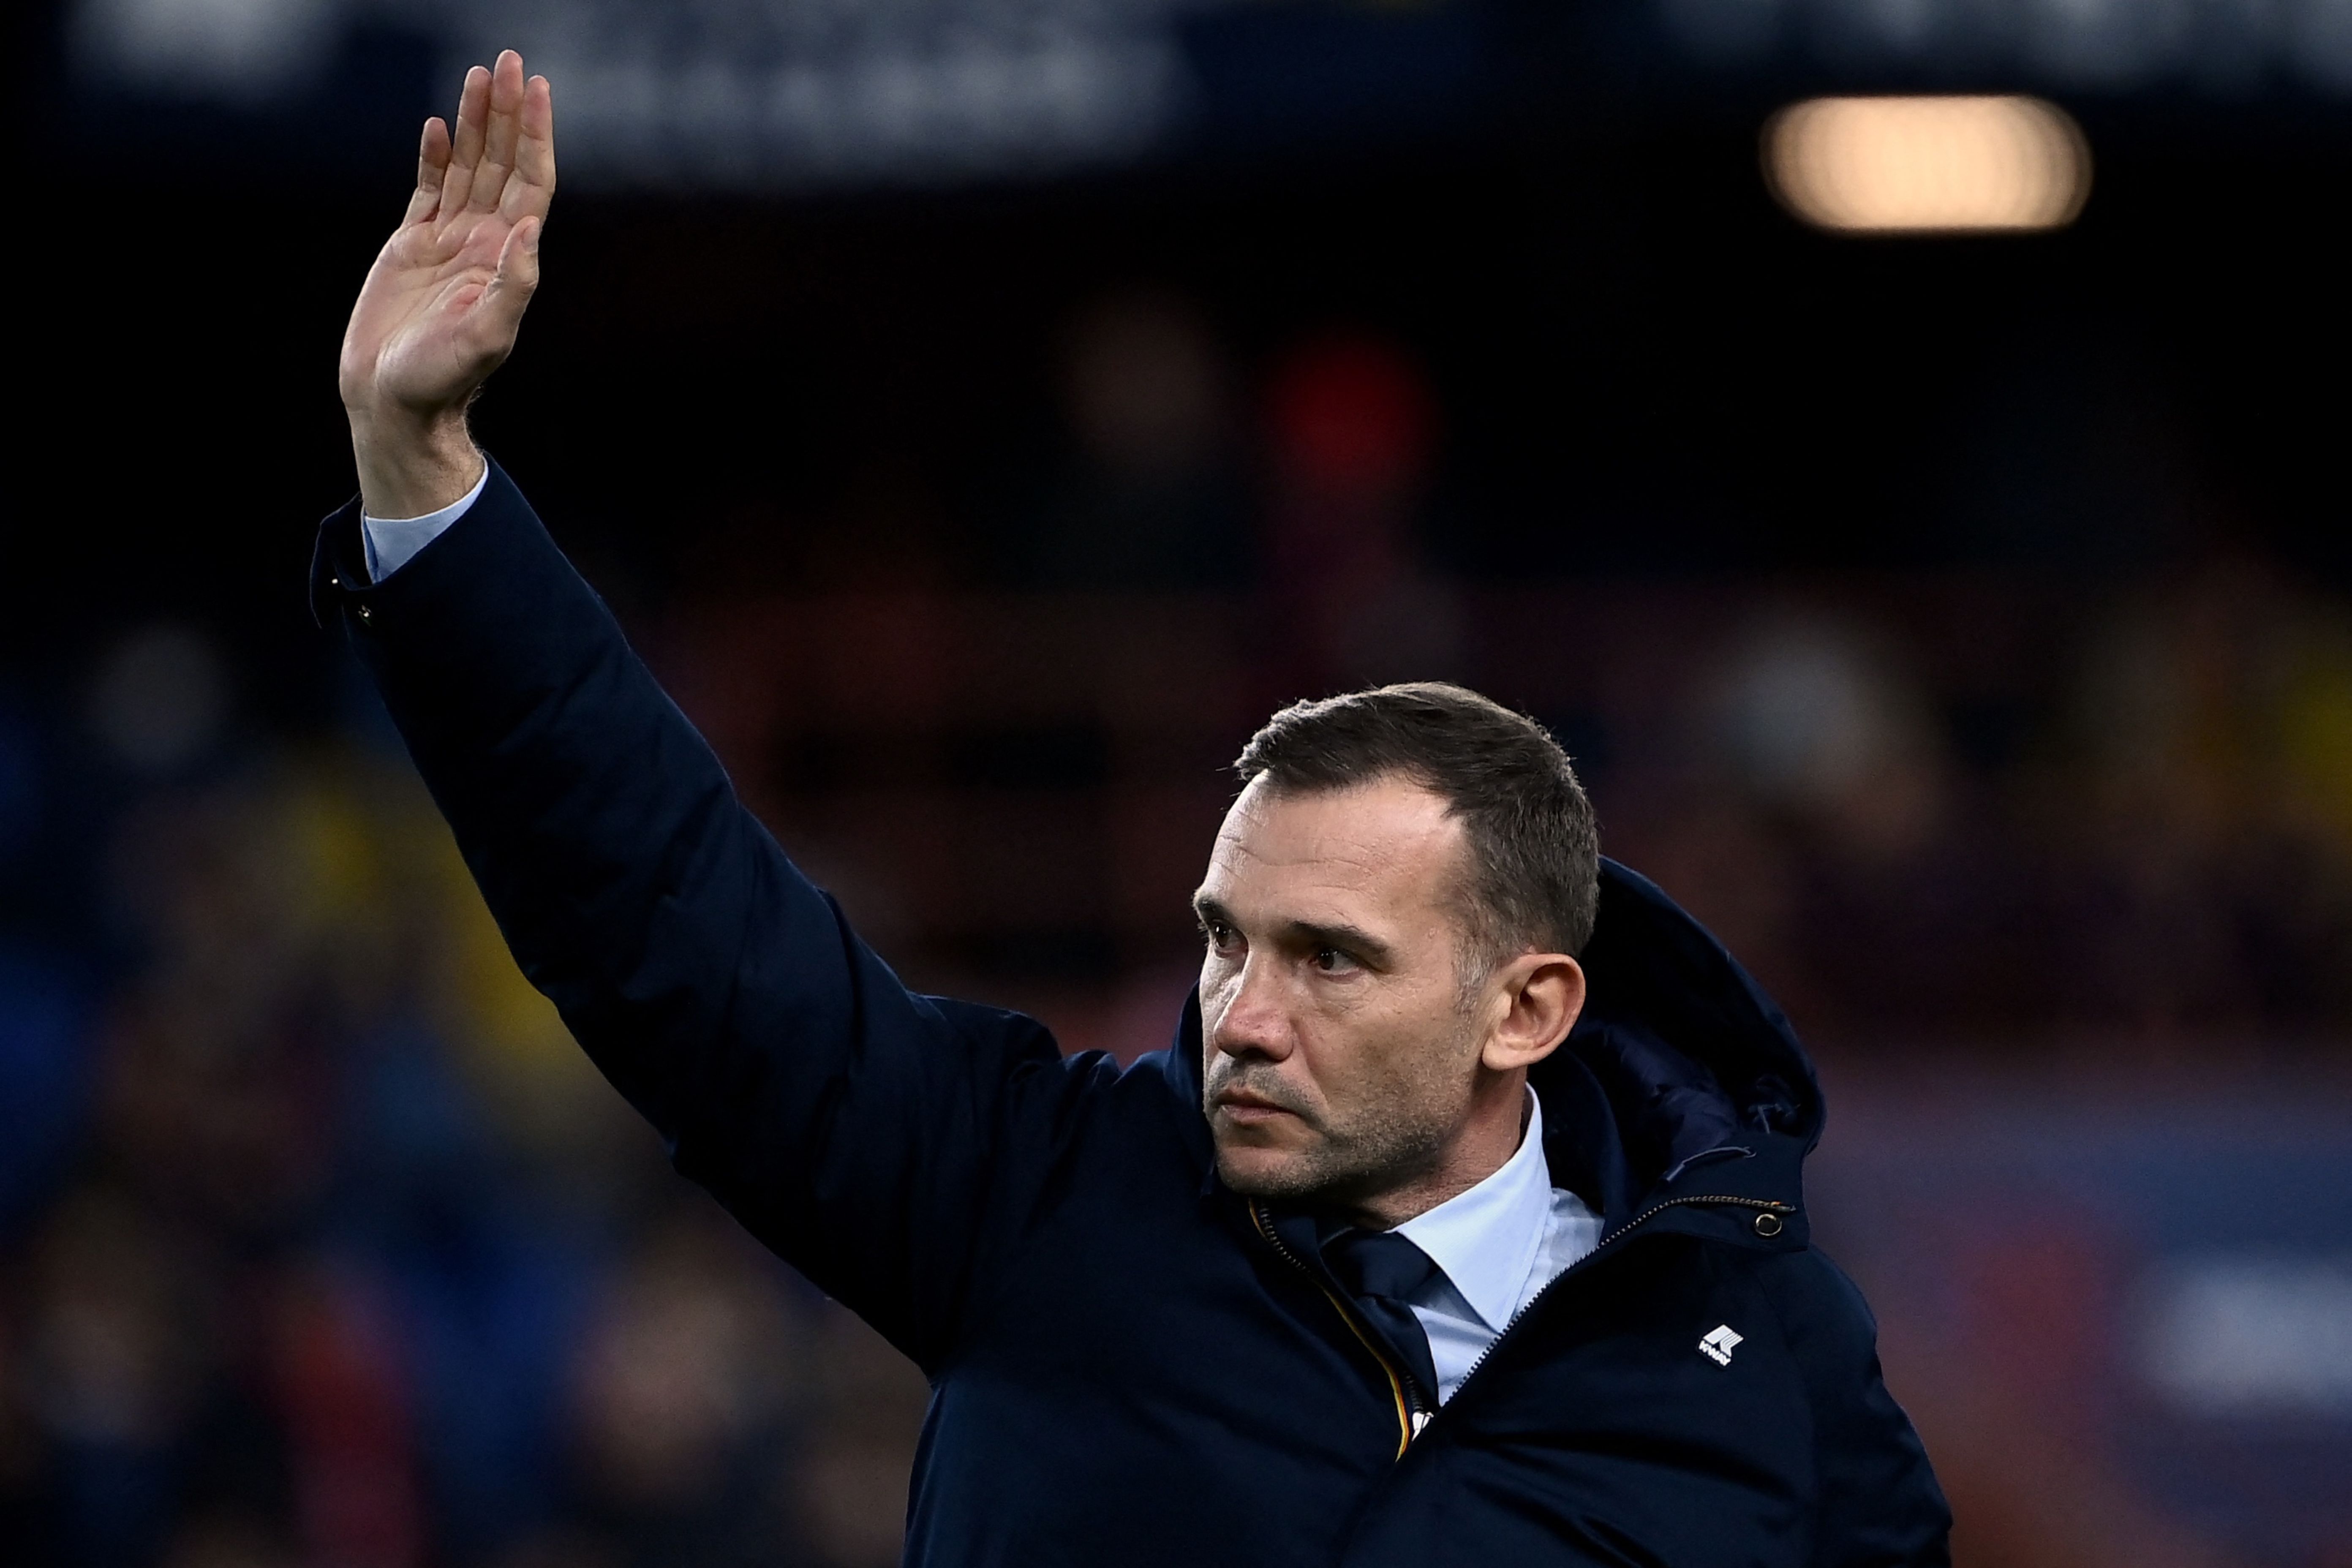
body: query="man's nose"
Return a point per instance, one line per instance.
(1254, 1021)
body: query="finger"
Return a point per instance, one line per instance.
(466, 141)
(500, 131)
(533, 182)
(432, 168)
(513, 285)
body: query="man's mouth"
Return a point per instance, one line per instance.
(1249, 1110)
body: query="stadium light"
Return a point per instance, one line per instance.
(1929, 166)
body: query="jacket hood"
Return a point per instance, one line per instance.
(1679, 1058)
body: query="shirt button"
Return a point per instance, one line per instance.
(366, 612)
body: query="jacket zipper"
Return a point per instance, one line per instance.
(1767, 1206)
(1411, 1416)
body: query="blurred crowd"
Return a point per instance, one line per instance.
(319, 1244)
(2002, 798)
(323, 1244)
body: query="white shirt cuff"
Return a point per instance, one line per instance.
(391, 543)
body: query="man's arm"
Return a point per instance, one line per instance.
(885, 1144)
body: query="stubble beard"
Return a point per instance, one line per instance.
(1399, 1138)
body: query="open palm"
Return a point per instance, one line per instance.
(442, 304)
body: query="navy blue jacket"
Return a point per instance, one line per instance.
(1129, 1364)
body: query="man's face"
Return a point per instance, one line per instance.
(1339, 1057)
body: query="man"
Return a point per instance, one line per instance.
(1461, 1224)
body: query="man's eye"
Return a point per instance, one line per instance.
(1331, 960)
(1216, 935)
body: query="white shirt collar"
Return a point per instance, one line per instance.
(1486, 1238)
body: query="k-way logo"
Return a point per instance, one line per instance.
(1717, 1345)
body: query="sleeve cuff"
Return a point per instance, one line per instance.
(391, 542)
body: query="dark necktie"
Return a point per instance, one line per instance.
(1383, 1272)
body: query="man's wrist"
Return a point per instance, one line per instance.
(408, 467)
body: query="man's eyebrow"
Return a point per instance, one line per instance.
(1354, 939)
(1349, 939)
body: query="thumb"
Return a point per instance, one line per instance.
(518, 274)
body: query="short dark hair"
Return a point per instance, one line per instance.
(1535, 850)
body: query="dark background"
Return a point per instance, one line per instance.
(1645, 365)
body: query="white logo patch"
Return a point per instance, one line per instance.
(1717, 1345)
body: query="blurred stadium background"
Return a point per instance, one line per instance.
(984, 411)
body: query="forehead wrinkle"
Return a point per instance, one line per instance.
(1354, 873)
(1335, 840)
(1329, 884)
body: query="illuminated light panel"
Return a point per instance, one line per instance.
(1929, 166)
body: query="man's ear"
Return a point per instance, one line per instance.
(1541, 995)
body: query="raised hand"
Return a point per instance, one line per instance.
(442, 305)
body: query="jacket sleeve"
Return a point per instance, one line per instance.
(1879, 1504)
(887, 1144)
